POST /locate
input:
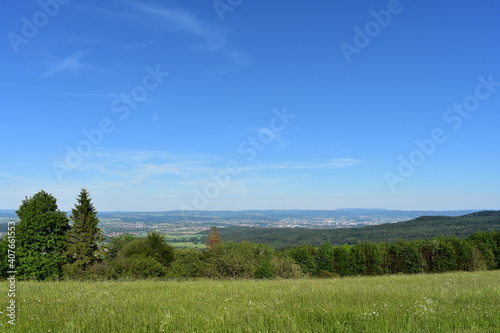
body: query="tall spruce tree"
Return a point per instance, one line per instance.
(84, 235)
(40, 238)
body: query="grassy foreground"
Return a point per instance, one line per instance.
(450, 302)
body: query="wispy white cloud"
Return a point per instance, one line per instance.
(13, 177)
(138, 166)
(147, 172)
(213, 40)
(71, 63)
(146, 165)
(142, 176)
(84, 94)
(332, 164)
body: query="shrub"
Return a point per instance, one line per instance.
(231, 260)
(187, 263)
(153, 246)
(405, 257)
(286, 268)
(327, 275)
(343, 262)
(143, 266)
(305, 257)
(265, 270)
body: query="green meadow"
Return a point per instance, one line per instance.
(448, 302)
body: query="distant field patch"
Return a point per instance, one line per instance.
(189, 244)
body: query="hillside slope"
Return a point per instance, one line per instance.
(424, 227)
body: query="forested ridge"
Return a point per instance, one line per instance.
(425, 227)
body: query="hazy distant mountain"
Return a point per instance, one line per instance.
(268, 214)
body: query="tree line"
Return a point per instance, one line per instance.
(51, 246)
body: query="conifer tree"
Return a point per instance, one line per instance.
(40, 238)
(213, 238)
(84, 235)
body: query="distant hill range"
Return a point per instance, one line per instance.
(424, 227)
(176, 215)
(344, 212)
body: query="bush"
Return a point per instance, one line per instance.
(187, 263)
(324, 259)
(116, 244)
(370, 258)
(231, 260)
(327, 275)
(153, 246)
(305, 257)
(486, 243)
(405, 257)
(343, 260)
(102, 271)
(74, 271)
(142, 266)
(265, 271)
(286, 268)
(4, 259)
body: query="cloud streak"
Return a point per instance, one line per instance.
(139, 166)
(332, 164)
(213, 40)
(13, 177)
(71, 63)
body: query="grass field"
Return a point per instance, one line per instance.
(451, 302)
(188, 245)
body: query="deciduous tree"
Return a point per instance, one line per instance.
(41, 241)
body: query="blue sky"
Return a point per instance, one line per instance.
(165, 105)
